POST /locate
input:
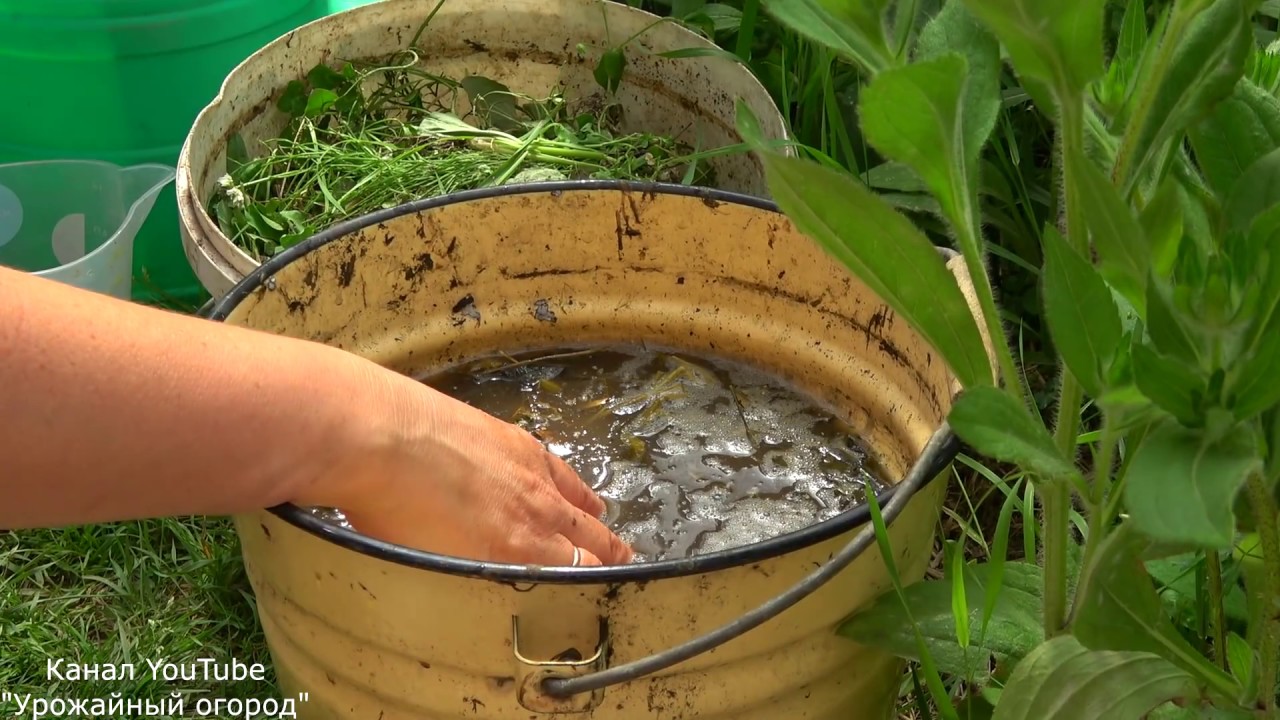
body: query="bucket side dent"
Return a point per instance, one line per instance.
(446, 282)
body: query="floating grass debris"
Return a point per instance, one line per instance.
(691, 454)
(374, 134)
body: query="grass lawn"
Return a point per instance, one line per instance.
(161, 591)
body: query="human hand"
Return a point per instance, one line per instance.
(454, 480)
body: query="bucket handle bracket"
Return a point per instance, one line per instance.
(532, 676)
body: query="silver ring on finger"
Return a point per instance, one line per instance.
(577, 556)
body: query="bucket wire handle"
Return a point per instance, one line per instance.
(937, 455)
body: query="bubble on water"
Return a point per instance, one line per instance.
(562, 450)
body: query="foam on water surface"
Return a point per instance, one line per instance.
(692, 456)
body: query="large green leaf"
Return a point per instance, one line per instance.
(915, 114)
(1125, 258)
(1063, 680)
(1117, 609)
(1162, 225)
(1239, 131)
(1055, 42)
(998, 426)
(1013, 630)
(1254, 386)
(1168, 383)
(1257, 191)
(1169, 329)
(1182, 485)
(811, 19)
(868, 16)
(955, 30)
(1081, 312)
(881, 247)
(1204, 65)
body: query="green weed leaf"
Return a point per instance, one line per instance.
(955, 30)
(1182, 485)
(1122, 250)
(868, 16)
(293, 101)
(954, 563)
(1169, 384)
(1126, 61)
(881, 247)
(319, 102)
(1000, 427)
(1055, 42)
(1081, 312)
(1117, 608)
(1063, 680)
(812, 19)
(1162, 222)
(237, 152)
(1205, 64)
(493, 103)
(1241, 660)
(915, 114)
(608, 71)
(1257, 191)
(1166, 326)
(1013, 630)
(1238, 132)
(1133, 34)
(1254, 386)
(894, 176)
(326, 78)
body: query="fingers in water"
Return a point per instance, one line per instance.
(574, 488)
(587, 532)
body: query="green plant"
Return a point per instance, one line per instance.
(1161, 288)
(817, 90)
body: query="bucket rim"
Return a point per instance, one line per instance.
(517, 574)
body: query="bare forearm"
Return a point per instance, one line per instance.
(110, 410)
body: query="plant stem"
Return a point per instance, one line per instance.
(1266, 511)
(746, 30)
(1056, 496)
(1217, 614)
(1098, 524)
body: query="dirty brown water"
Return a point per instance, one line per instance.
(691, 455)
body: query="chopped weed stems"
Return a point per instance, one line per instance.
(378, 134)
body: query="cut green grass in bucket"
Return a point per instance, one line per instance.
(375, 134)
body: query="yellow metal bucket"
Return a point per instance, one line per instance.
(379, 632)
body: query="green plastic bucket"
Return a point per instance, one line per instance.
(336, 6)
(122, 81)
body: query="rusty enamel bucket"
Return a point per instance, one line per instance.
(371, 630)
